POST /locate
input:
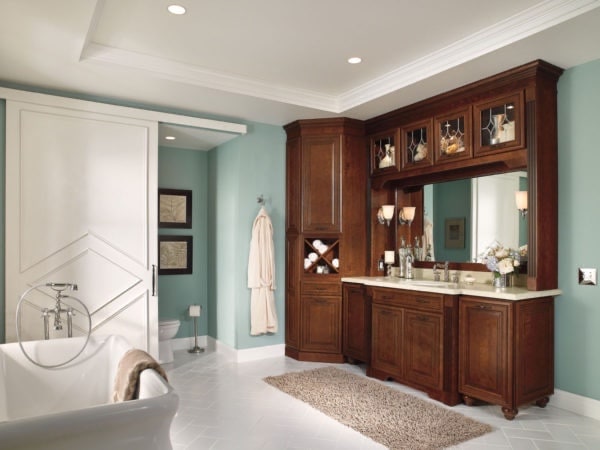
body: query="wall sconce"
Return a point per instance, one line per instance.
(385, 214)
(521, 199)
(407, 215)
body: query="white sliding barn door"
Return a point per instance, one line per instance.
(81, 191)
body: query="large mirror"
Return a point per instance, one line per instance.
(464, 217)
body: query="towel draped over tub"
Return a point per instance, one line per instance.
(130, 367)
(261, 276)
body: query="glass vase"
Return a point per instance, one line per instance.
(499, 280)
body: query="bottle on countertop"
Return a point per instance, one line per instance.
(417, 250)
(381, 264)
(402, 258)
(409, 266)
(428, 256)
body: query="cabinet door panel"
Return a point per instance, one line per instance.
(321, 324)
(321, 184)
(423, 348)
(386, 339)
(534, 335)
(356, 325)
(484, 350)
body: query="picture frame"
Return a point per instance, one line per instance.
(174, 208)
(454, 236)
(175, 255)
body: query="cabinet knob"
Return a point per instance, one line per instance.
(484, 307)
(422, 300)
(423, 319)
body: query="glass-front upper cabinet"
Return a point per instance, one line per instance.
(384, 153)
(499, 124)
(453, 136)
(417, 144)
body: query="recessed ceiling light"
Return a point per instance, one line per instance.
(170, 138)
(355, 60)
(176, 9)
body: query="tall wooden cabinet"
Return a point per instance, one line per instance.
(326, 236)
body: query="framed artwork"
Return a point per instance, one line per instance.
(175, 255)
(174, 208)
(455, 233)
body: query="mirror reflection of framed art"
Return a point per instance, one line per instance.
(455, 233)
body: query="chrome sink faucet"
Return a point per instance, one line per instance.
(446, 272)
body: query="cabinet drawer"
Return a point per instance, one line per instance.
(310, 288)
(424, 301)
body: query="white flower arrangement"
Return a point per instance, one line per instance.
(501, 260)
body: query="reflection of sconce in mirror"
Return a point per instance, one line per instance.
(407, 215)
(385, 214)
(521, 199)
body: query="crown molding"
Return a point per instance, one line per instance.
(198, 76)
(533, 20)
(530, 21)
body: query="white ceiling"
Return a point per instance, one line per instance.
(276, 61)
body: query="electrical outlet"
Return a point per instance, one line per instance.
(588, 276)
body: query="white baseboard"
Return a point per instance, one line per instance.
(576, 403)
(242, 355)
(247, 354)
(186, 343)
(253, 354)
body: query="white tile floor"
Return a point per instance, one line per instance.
(226, 405)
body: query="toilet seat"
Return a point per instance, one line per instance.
(169, 322)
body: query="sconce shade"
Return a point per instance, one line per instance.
(521, 199)
(407, 214)
(388, 211)
(385, 213)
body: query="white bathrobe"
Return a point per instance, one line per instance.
(261, 276)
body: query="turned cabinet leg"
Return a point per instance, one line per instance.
(509, 413)
(468, 400)
(542, 402)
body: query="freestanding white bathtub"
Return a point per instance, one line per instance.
(70, 408)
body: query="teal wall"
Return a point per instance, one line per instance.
(240, 171)
(451, 200)
(186, 169)
(577, 349)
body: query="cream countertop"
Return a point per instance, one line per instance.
(440, 287)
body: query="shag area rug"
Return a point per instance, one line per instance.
(392, 418)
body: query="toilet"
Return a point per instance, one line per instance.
(167, 329)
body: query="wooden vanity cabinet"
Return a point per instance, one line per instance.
(506, 351)
(326, 236)
(356, 323)
(321, 325)
(414, 341)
